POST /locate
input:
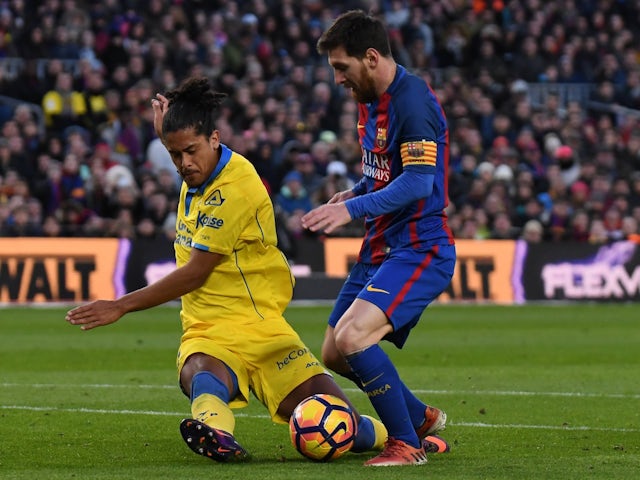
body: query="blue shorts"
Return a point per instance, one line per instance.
(402, 286)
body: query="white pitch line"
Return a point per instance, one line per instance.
(91, 410)
(516, 393)
(114, 412)
(500, 393)
(89, 385)
(182, 414)
(543, 427)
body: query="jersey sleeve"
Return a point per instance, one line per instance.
(420, 124)
(412, 184)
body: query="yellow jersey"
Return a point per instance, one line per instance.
(232, 214)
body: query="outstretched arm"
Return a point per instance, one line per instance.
(414, 183)
(182, 280)
(411, 185)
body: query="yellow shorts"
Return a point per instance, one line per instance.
(267, 356)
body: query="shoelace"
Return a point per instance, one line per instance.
(395, 448)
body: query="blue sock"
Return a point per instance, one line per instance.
(353, 377)
(380, 381)
(207, 382)
(415, 406)
(366, 436)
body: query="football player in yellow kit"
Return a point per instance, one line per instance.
(234, 283)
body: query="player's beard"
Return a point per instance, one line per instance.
(365, 91)
(191, 178)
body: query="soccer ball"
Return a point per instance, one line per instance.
(322, 427)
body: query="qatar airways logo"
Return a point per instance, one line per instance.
(376, 166)
(603, 276)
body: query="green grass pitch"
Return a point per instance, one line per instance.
(532, 392)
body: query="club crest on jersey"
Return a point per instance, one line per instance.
(215, 199)
(415, 149)
(381, 137)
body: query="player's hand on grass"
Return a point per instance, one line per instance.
(94, 314)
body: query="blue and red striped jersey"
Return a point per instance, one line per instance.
(405, 126)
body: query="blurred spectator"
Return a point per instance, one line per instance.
(293, 196)
(63, 45)
(127, 138)
(612, 222)
(73, 215)
(634, 193)
(335, 181)
(461, 179)
(560, 220)
(303, 164)
(569, 165)
(629, 227)
(125, 204)
(20, 224)
(5, 156)
(63, 106)
(158, 158)
(51, 227)
(146, 228)
(13, 155)
(118, 176)
(598, 233)
(35, 45)
(157, 207)
(502, 228)
(530, 64)
(71, 182)
(169, 226)
(122, 226)
(95, 226)
(532, 232)
(94, 96)
(579, 193)
(290, 204)
(166, 183)
(579, 226)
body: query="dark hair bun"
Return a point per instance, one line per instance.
(196, 91)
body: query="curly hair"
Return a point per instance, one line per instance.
(192, 105)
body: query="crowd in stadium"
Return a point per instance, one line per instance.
(542, 100)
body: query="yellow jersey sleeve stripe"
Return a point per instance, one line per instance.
(419, 152)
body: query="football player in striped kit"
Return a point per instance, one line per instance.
(408, 253)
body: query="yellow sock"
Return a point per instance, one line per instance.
(380, 432)
(212, 411)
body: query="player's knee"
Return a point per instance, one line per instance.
(195, 363)
(331, 358)
(200, 362)
(348, 340)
